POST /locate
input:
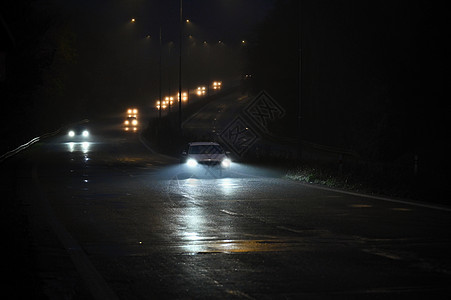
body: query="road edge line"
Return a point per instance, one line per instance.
(95, 283)
(388, 199)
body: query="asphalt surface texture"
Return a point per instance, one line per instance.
(108, 218)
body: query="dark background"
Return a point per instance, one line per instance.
(372, 72)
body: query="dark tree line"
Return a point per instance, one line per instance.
(37, 49)
(372, 74)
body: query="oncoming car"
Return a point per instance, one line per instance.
(78, 133)
(131, 124)
(205, 154)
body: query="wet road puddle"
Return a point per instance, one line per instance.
(143, 248)
(237, 246)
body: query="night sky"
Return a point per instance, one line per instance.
(225, 19)
(372, 72)
(113, 52)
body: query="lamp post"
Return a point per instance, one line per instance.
(180, 67)
(159, 111)
(300, 112)
(148, 36)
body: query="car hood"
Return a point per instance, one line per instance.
(208, 157)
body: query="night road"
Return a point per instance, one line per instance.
(110, 218)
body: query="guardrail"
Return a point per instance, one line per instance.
(33, 141)
(27, 145)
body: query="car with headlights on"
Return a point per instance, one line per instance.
(209, 154)
(131, 124)
(78, 133)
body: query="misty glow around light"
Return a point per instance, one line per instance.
(132, 112)
(229, 186)
(201, 90)
(85, 147)
(191, 162)
(226, 163)
(82, 147)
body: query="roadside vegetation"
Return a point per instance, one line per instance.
(384, 181)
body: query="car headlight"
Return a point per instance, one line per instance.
(85, 133)
(71, 133)
(226, 163)
(126, 122)
(134, 122)
(191, 162)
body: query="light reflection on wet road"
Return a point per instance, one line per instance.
(154, 229)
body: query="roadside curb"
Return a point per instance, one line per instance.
(27, 145)
(376, 197)
(33, 141)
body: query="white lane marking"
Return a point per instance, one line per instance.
(230, 212)
(94, 281)
(382, 253)
(419, 204)
(290, 229)
(239, 294)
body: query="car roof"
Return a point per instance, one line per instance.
(79, 126)
(203, 143)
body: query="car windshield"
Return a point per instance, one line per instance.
(80, 128)
(205, 149)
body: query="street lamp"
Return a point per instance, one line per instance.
(148, 37)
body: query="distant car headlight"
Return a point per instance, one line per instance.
(191, 162)
(71, 133)
(85, 133)
(226, 163)
(126, 122)
(135, 122)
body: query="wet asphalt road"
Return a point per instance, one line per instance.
(111, 219)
